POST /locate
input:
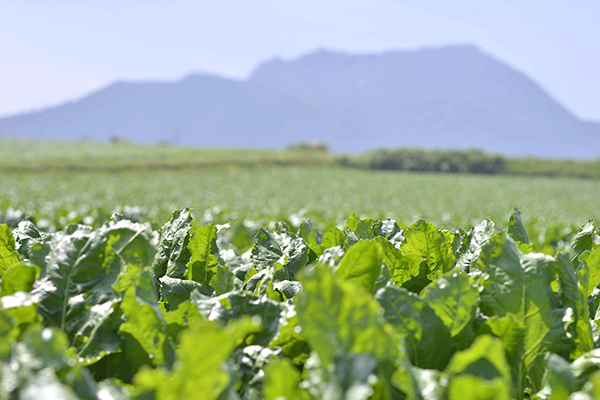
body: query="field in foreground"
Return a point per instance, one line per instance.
(372, 310)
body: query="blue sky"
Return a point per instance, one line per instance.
(56, 50)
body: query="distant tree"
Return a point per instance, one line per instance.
(116, 139)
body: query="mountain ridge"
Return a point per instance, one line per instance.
(452, 96)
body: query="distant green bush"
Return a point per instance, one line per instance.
(554, 167)
(413, 159)
(116, 139)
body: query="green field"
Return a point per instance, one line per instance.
(41, 156)
(288, 280)
(324, 193)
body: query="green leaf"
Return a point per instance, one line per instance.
(428, 341)
(402, 268)
(361, 264)
(479, 372)
(144, 321)
(282, 381)
(18, 278)
(432, 245)
(205, 255)
(223, 280)
(235, 305)
(470, 387)
(518, 296)
(561, 381)
(284, 248)
(80, 272)
(98, 334)
(8, 254)
(135, 245)
(583, 241)
(333, 237)
(291, 342)
(592, 266)
(388, 229)
(309, 234)
(21, 309)
(477, 238)
(352, 222)
(180, 319)
(199, 374)
(453, 299)
(570, 293)
(41, 367)
(33, 245)
(175, 291)
(341, 317)
(173, 253)
(516, 228)
(586, 365)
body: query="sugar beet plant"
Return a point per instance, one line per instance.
(370, 311)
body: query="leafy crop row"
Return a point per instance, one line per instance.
(364, 311)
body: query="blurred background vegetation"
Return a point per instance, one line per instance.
(30, 156)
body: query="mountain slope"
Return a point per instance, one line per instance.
(453, 96)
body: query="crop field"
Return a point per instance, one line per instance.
(369, 310)
(42, 156)
(326, 194)
(291, 280)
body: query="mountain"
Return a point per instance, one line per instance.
(453, 96)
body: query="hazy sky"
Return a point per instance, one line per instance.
(55, 50)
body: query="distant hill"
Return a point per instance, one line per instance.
(454, 96)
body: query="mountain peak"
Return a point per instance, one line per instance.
(445, 96)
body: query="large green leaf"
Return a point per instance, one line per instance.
(235, 305)
(98, 334)
(175, 291)
(516, 227)
(582, 241)
(173, 253)
(517, 294)
(561, 382)
(591, 269)
(81, 269)
(341, 317)
(427, 339)
(135, 245)
(402, 268)
(42, 368)
(477, 238)
(18, 278)
(453, 299)
(8, 254)
(282, 381)
(291, 341)
(331, 238)
(144, 321)
(366, 229)
(432, 245)
(33, 245)
(479, 372)
(199, 374)
(280, 247)
(309, 234)
(571, 294)
(205, 255)
(361, 264)
(86, 274)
